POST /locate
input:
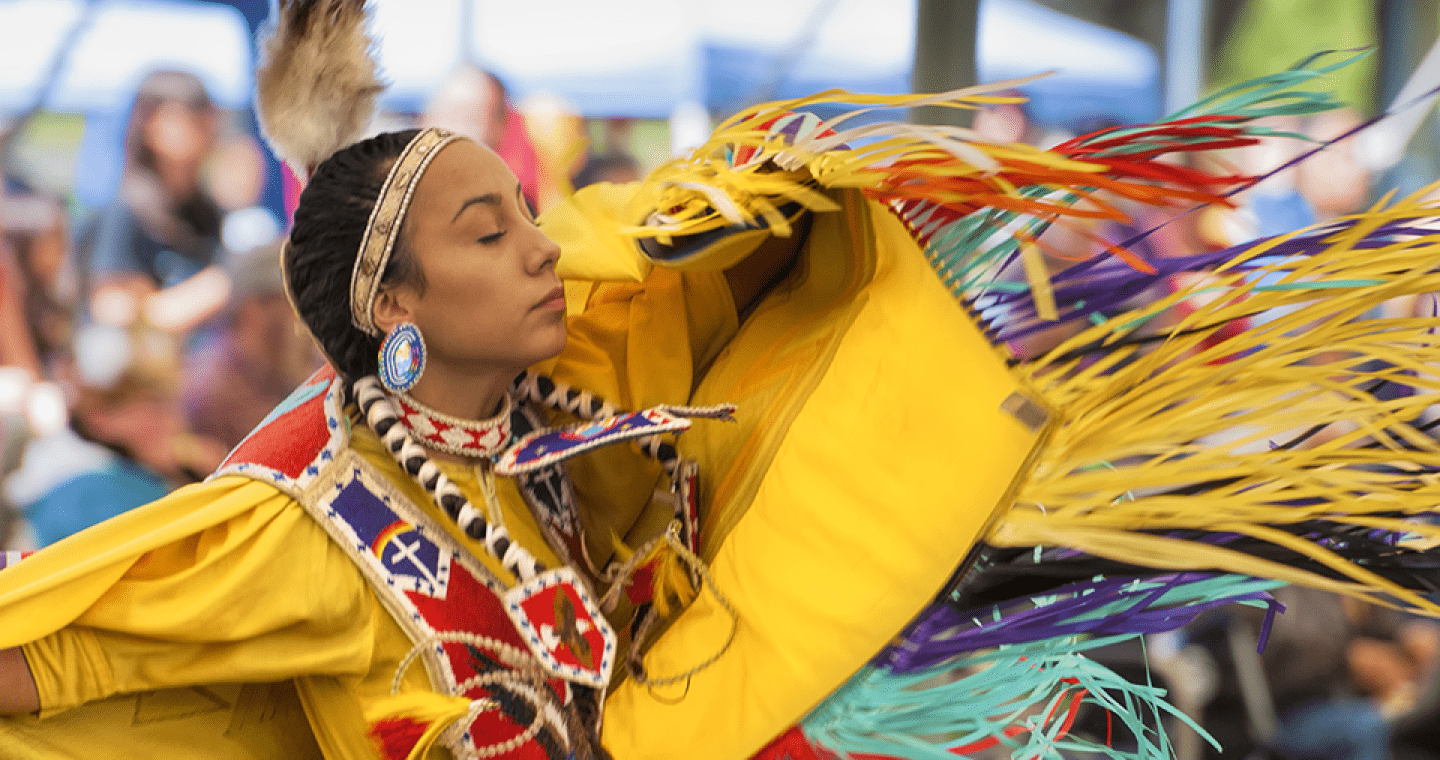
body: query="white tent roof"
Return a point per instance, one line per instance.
(618, 57)
(123, 40)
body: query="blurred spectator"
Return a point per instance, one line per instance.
(258, 354)
(163, 227)
(475, 103)
(36, 233)
(1005, 123)
(126, 444)
(19, 367)
(1013, 123)
(1334, 676)
(1273, 206)
(1323, 709)
(558, 134)
(1415, 736)
(614, 167)
(1392, 655)
(1334, 181)
(16, 348)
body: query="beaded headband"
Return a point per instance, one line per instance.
(383, 228)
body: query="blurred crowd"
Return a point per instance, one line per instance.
(142, 339)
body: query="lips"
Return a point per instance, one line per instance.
(553, 299)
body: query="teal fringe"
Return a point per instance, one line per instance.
(979, 699)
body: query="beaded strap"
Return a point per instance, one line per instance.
(546, 391)
(511, 656)
(383, 418)
(540, 389)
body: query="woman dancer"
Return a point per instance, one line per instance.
(360, 548)
(366, 564)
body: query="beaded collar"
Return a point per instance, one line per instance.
(477, 439)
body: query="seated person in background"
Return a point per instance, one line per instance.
(126, 444)
(258, 352)
(36, 232)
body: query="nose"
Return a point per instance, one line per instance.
(544, 252)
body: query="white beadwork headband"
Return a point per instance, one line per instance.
(386, 219)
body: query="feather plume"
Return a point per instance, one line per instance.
(317, 81)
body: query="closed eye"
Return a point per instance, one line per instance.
(492, 238)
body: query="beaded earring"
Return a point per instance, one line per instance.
(402, 357)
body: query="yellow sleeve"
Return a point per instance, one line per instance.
(640, 344)
(587, 226)
(214, 721)
(639, 336)
(839, 502)
(228, 581)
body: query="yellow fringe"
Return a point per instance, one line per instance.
(1038, 277)
(706, 191)
(673, 589)
(436, 711)
(1179, 414)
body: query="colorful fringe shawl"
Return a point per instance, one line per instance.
(1187, 471)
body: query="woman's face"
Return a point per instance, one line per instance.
(180, 132)
(492, 299)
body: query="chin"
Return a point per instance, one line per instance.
(548, 345)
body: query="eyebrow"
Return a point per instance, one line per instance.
(488, 199)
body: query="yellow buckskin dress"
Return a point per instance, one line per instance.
(885, 444)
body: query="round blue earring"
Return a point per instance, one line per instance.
(402, 357)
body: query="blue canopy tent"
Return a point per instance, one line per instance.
(120, 41)
(638, 58)
(805, 47)
(635, 58)
(1101, 75)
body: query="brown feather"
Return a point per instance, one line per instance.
(317, 81)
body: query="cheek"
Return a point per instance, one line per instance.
(469, 315)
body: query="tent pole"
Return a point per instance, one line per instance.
(945, 32)
(1184, 52)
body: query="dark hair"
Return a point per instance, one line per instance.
(598, 167)
(330, 220)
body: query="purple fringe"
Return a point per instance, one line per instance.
(943, 632)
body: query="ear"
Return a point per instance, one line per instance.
(390, 309)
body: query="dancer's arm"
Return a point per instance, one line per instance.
(762, 270)
(17, 687)
(189, 596)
